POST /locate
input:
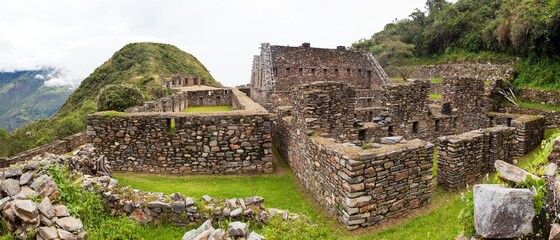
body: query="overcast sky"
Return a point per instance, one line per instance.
(224, 35)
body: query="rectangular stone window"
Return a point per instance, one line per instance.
(336, 71)
(325, 71)
(348, 73)
(359, 71)
(287, 71)
(390, 131)
(275, 71)
(170, 125)
(300, 71)
(437, 123)
(362, 135)
(313, 71)
(369, 74)
(509, 122)
(415, 127)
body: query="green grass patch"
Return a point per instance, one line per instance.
(109, 114)
(436, 80)
(205, 109)
(396, 79)
(547, 107)
(435, 96)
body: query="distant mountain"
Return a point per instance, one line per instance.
(136, 63)
(25, 97)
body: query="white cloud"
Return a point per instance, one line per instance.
(62, 78)
(39, 76)
(224, 35)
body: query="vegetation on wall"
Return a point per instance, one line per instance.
(138, 64)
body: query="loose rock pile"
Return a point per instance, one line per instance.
(235, 230)
(30, 204)
(29, 199)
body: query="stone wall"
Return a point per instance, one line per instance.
(539, 96)
(480, 71)
(181, 100)
(465, 158)
(326, 108)
(407, 107)
(436, 88)
(297, 65)
(57, 147)
(466, 97)
(225, 143)
(279, 68)
(366, 98)
(529, 132)
(360, 187)
(178, 80)
(552, 118)
(214, 97)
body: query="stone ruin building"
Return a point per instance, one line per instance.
(362, 144)
(159, 137)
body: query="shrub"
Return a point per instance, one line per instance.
(119, 97)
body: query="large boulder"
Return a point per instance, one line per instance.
(501, 212)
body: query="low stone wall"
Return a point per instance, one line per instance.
(481, 71)
(465, 158)
(539, 96)
(57, 147)
(219, 143)
(552, 118)
(529, 132)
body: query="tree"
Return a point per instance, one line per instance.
(119, 97)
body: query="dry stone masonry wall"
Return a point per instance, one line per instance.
(57, 147)
(539, 96)
(465, 158)
(480, 71)
(326, 107)
(163, 140)
(466, 97)
(190, 144)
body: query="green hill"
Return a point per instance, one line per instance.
(25, 97)
(136, 63)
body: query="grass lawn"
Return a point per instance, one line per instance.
(435, 96)
(547, 107)
(209, 109)
(281, 190)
